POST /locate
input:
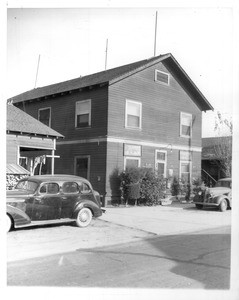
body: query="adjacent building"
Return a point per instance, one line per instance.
(147, 113)
(31, 145)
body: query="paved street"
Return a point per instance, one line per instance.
(200, 260)
(151, 247)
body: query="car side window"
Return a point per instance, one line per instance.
(50, 188)
(70, 188)
(84, 188)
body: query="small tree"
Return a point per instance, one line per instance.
(223, 148)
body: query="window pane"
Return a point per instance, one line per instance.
(186, 119)
(185, 177)
(70, 187)
(161, 156)
(130, 162)
(83, 120)
(160, 167)
(133, 108)
(83, 107)
(185, 168)
(133, 121)
(52, 188)
(44, 116)
(162, 77)
(186, 130)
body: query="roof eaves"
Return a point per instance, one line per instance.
(206, 105)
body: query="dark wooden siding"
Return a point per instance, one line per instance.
(63, 112)
(97, 153)
(14, 141)
(161, 107)
(115, 164)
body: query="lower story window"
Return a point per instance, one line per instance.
(160, 162)
(132, 162)
(185, 170)
(82, 166)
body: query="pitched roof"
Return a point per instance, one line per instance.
(20, 122)
(16, 169)
(113, 75)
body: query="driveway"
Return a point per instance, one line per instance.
(118, 226)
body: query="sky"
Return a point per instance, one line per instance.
(71, 42)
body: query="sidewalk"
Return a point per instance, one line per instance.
(166, 220)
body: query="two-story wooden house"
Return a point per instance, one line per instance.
(147, 113)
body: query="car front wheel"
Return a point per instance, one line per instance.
(199, 206)
(223, 205)
(8, 223)
(84, 217)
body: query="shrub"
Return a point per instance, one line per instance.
(153, 188)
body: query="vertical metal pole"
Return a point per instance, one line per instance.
(37, 71)
(53, 158)
(155, 37)
(106, 52)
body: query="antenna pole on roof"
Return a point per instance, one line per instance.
(155, 36)
(106, 52)
(37, 70)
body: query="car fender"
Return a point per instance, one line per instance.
(219, 199)
(18, 216)
(96, 211)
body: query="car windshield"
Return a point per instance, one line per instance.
(27, 185)
(223, 183)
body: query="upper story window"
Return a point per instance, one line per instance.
(185, 125)
(133, 114)
(44, 116)
(83, 114)
(162, 77)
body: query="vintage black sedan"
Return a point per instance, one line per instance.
(219, 196)
(47, 199)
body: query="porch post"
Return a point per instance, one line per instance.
(52, 161)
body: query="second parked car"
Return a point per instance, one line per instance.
(47, 199)
(219, 196)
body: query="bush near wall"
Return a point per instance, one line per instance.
(186, 189)
(142, 185)
(12, 180)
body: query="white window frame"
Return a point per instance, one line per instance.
(190, 168)
(132, 157)
(181, 118)
(82, 101)
(161, 161)
(45, 108)
(83, 156)
(155, 77)
(126, 114)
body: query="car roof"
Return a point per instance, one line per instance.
(56, 177)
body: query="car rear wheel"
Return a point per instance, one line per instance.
(8, 223)
(84, 217)
(223, 205)
(199, 206)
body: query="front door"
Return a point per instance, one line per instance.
(82, 166)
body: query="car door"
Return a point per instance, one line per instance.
(70, 196)
(47, 204)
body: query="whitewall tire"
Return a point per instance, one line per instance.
(84, 217)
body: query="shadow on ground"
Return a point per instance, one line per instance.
(196, 261)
